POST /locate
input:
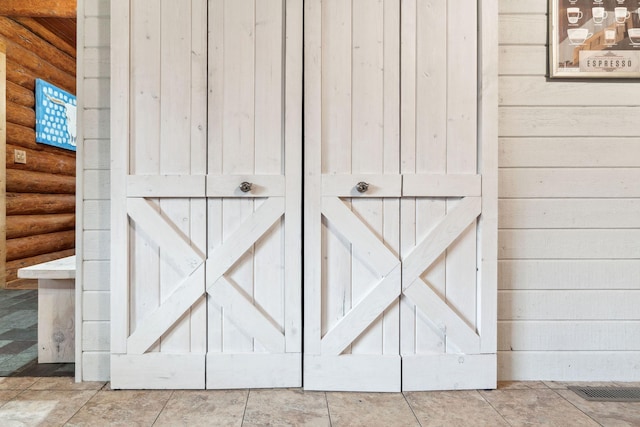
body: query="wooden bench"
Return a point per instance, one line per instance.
(56, 308)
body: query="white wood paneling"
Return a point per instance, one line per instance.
(96, 244)
(96, 62)
(523, 29)
(569, 335)
(93, 70)
(614, 152)
(569, 244)
(568, 365)
(96, 8)
(96, 124)
(523, 60)
(96, 366)
(569, 213)
(96, 153)
(96, 336)
(568, 121)
(518, 6)
(568, 305)
(95, 275)
(569, 183)
(96, 214)
(95, 305)
(97, 31)
(536, 91)
(99, 90)
(569, 274)
(96, 184)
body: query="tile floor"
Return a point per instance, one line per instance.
(18, 329)
(33, 401)
(19, 335)
(47, 400)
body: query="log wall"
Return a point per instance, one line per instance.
(40, 195)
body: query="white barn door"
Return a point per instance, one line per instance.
(449, 203)
(400, 240)
(206, 186)
(352, 195)
(158, 206)
(254, 194)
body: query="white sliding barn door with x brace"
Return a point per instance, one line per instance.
(400, 224)
(206, 193)
(254, 232)
(352, 239)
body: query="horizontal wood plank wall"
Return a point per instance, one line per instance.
(93, 76)
(40, 213)
(569, 215)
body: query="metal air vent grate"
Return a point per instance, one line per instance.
(608, 394)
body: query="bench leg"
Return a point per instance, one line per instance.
(56, 324)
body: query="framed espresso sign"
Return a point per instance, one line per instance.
(594, 38)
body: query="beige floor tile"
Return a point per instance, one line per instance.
(521, 385)
(65, 383)
(204, 407)
(122, 408)
(7, 395)
(453, 408)
(565, 384)
(16, 383)
(286, 407)
(43, 408)
(606, 413)
(370, 409)
(536, 408)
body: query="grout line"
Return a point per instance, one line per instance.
(326, 401)
(246, 403)
(83, 405)
(494, 408)
(572, 404)
(411, 408)
(163, 407)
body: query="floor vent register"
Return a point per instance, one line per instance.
(608, 394)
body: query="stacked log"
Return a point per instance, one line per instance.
(40, 194)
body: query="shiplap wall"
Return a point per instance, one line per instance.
(569, 210)
(569, 214)
(94, 93)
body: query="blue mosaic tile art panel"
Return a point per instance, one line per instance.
(55, 116)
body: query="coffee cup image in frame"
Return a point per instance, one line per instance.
(574, 14)
(599, 14)
(621, 14)
(577, 36)
(609, 37)
(634, 36)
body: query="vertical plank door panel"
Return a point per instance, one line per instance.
(447, 301)
(352, 308)
(253, 281)
(164, 138)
